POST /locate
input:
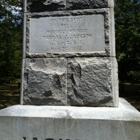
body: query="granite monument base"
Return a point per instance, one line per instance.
(70, 123)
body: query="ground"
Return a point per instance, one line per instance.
(10, 95)
(131, 92)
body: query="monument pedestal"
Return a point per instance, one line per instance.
(70, 123)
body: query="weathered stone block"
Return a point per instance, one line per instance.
(90, 81)
(44, 82)
(80, 81)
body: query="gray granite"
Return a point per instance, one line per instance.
(90, 83)
(78, 37)
(69, 53)
(70, 81)
(44, 82)
(86, 4)
(45, 5)
(83, 123)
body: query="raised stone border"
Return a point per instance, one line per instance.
(108, 27)
(48, 5)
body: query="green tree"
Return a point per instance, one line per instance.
(10, 40)
(127, 16)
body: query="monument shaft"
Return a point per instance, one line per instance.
(69, 54)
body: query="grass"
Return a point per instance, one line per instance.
(10, 95)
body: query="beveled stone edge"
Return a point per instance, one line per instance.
(115, 81)
(24, 82)
(125, 112)
(111, 3)
(112, 32)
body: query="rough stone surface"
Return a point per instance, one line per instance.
(51, 5)
(83, 123)
(44, 82)
(89, 82)
(45, 5)
(86, 4)
(72, 81)
(69, 53)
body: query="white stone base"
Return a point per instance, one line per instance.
(70, 123)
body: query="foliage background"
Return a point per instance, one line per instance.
(10, 40)
(127, 16)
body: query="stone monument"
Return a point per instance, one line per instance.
(69, 53)
(69, 76)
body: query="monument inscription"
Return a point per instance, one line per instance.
(35, 138)
(67, 34)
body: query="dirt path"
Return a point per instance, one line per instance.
(9, 95)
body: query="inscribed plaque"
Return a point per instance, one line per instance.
(70, 34)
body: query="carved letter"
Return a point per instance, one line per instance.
(49, 139)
